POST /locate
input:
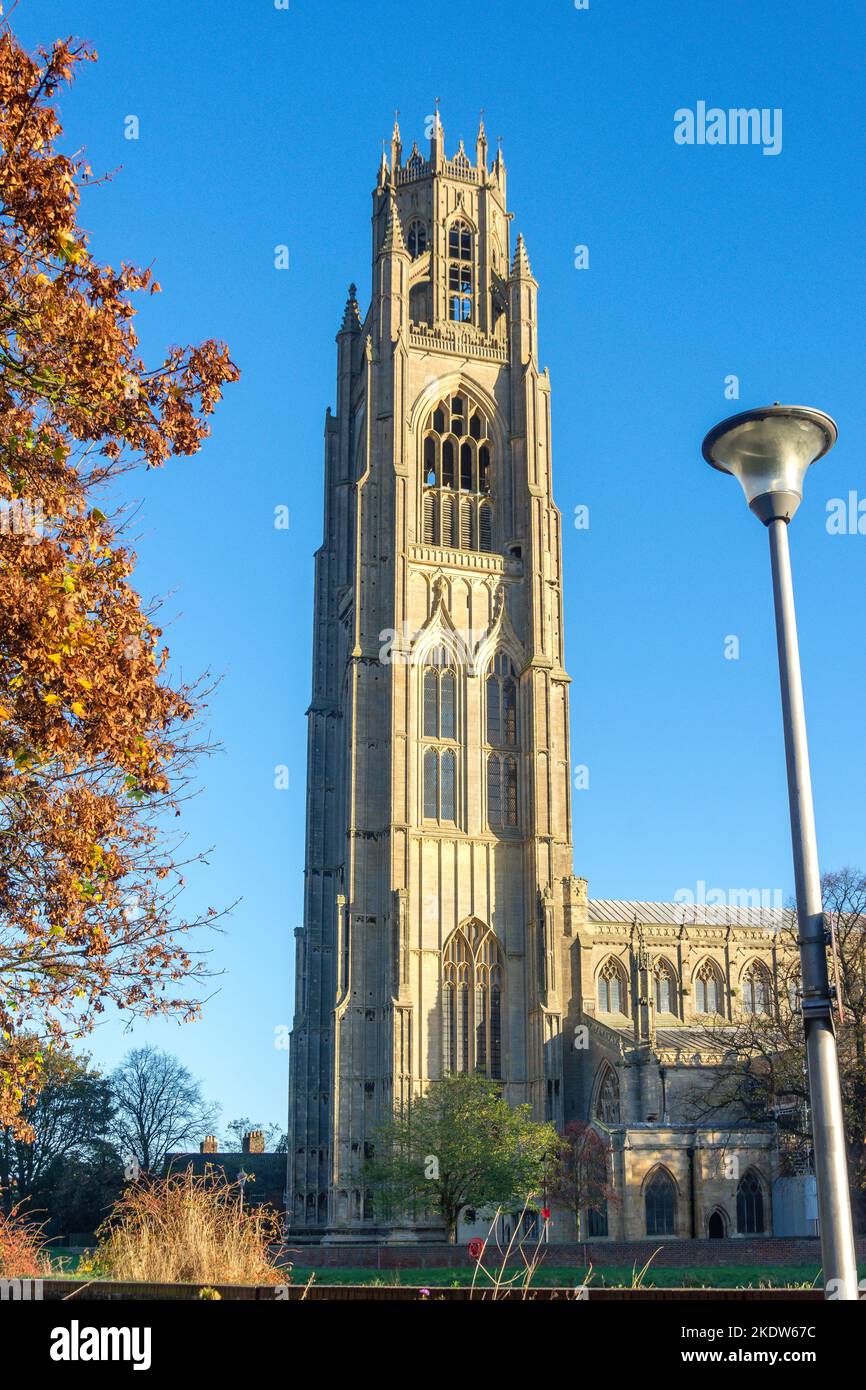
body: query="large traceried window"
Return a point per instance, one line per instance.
(708, 988)
(472, 983)
(456, 473)
(756, 989)
(439, 729)
(460, 272)
(612, 992)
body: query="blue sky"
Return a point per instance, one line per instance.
(261, 127)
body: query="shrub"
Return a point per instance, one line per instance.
(21, 1242)
(188, 1229)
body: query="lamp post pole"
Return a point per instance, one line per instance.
(769, 451)
(828, 1124)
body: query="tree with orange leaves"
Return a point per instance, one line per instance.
(96, 743)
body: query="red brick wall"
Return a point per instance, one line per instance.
(769, 1251)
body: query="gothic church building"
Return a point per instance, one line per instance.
(444, 928)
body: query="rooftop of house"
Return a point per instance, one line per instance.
(265, 1173)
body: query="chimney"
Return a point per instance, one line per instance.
(209, 1145)
(253, 1142)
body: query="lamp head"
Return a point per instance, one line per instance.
(768, 451)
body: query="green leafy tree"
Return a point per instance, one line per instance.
(67, 1114)
(78, 1193)
(460, 1144)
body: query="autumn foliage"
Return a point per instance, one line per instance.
(96, 741)
(188, 1228)
(21, 1246)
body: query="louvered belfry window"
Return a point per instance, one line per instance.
(457, 507)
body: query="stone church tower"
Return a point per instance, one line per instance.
(439, 885)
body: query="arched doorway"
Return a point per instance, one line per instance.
(716, 1226)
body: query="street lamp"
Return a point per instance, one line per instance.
(768, 451)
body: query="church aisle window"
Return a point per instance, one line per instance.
(596, 1220)
(665, 988)
(709, 989)
(750, 1205)
(660, 1200)
(472, 980)
(756, 989)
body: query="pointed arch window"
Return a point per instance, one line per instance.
(612, 991)
(607, 1098)
(756, 989)
(501, 703)
(439, 726)
(750, 1205)
(665, 988)
(456, 473)
(417, 239)
(501, 792)
(596, 1219)
(709, 988)
(472, 983)
(460, 272)
(660, 1202)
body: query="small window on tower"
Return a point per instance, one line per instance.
(460, 272)
(417, 240)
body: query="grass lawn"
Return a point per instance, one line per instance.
(548, 1274)
(716, 1277)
